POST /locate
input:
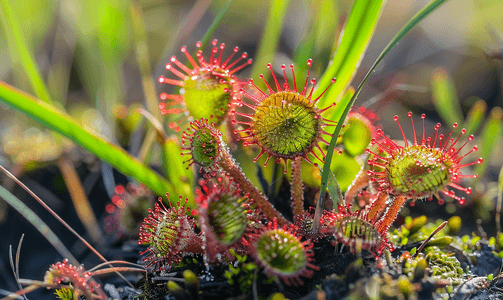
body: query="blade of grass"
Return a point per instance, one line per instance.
(79, 198)
(15, 268)
(327, 29)
(350, 50)
(216, 22)
(176, 169)
(143, 59)
(305, 49)
(143, 62)
(335, 193)
(444, 97)
(317, 42)
(334, 190)
(17, 45)
(173, 169)
(491, 136)
(270, 37)
(428, 9)
(64, 124)
(475, 117)
(60, 220)
(186, 27)
(45, 230)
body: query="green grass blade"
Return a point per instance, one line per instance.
(270, 37)
(303, 52)
(32, 217)
(174, 169)
(318, 40)
(186, 27)
(17, 45)
(148, 83)
(491, 136)
(327, 29)
(216, 22)
(444, 97)
(357, 34)
(143, 59)
(177, 172)
(67, 126)
(408, 27)
(334, 190)
(475, 116)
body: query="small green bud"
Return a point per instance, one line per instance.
(190, 277)
(416, 224)
(440, 242)
(420, 270)
(454, 224)
(175, 289)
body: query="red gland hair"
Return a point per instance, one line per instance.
(286, 123)
(82, 281)
(421, 169)
(207, 87)
(204, 145)
(366, 228)
(169, 234)
(282, 254)
(223, 216)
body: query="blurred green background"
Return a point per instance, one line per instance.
(100, 60)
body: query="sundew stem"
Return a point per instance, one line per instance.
(297, 189)
(391, 214)
(228, 164)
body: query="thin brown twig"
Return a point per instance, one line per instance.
(15, 267)
(430, 237)
(114, 262)
(17, 294)
(79, 198)
(116, 269)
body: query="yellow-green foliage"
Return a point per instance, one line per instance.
(241, 274)
(64, 293)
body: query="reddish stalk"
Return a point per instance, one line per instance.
(297, 189)
(391, 214)
(228, 164)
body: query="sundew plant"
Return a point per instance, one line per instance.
(250, 150)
